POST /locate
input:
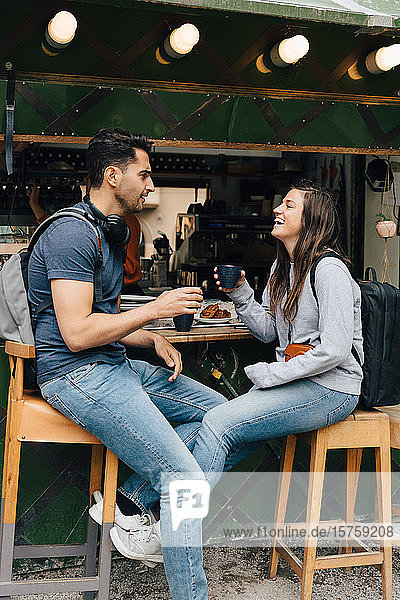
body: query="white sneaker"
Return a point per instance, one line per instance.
(124, 521)
(141, 544)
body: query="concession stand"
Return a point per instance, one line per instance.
(236, 117)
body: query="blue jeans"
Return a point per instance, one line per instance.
(127, 407)
(263, 414)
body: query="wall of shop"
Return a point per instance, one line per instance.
(171, 201)
(374, 245)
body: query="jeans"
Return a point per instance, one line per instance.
(127, 407)
(263, 414)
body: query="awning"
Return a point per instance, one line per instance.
(367, 13)
(364, 13)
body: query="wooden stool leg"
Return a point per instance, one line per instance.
(353, 466)
(110, 491)
(96, 470)
(282, 497)
(11, 478)
(5, 458)
(314, 499)
(383, 475)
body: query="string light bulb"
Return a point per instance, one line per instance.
(178, 44)
(384, 59)
(183, 39)
(290, 50)
(62, 27)
(59, 32)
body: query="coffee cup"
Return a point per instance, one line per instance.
(183, 322)
(228, 275)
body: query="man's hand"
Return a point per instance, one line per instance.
(33, 196)
(186, 300)
(169, 354)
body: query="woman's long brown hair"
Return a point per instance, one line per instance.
(320, 230)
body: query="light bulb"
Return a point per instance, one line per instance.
(388, 57)
(294, 48)
(184, 38)
(62, 27)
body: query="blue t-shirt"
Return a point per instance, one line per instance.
(68, 250)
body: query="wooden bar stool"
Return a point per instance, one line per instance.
(361, 429)
(31, 419)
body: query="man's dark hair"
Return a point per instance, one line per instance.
(113, 147)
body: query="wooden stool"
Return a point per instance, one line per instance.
(361, 429)
(395, 443)
(31, 419)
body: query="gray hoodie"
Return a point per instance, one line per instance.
(332, 326)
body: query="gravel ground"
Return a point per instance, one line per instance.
(241, 574)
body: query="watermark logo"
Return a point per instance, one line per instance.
(189, 500)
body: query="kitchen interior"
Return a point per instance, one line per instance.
(210, 206)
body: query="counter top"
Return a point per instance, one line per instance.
(206, 334)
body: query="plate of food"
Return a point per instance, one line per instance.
(216, 311)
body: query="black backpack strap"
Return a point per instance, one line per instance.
(368, 271)
(312, 282)
(83, 216)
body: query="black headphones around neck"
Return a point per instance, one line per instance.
(115, 227)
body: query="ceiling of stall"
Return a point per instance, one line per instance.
(120, 42)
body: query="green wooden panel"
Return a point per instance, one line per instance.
(340, 125)
(290, 111)
(60, 97)
(122, 108)
(247, 122)
(387, 116)
(26, 117)
(237, 120)
(182, 105)
(215, 126)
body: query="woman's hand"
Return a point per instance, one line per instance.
(170, 355)
(240, 281)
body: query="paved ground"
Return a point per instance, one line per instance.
(241, 574)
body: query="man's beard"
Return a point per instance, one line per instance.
(126, 205)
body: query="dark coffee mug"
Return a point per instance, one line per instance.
(228, 275)
(183, 322)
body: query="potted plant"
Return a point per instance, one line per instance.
(386, 228)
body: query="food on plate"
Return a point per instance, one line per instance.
(213, 311)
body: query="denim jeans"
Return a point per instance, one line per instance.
(127, 407)
(263, 414)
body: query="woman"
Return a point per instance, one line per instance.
(319, 387)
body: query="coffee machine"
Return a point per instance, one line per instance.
(160, 266)
(205, 240)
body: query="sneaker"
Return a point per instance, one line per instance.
(141, 544)
(125, 521)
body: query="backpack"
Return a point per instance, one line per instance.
(380, 318)
(16, 323)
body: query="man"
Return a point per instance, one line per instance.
(84, 373)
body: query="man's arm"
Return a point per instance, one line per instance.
(166, 351)
(81, 329)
